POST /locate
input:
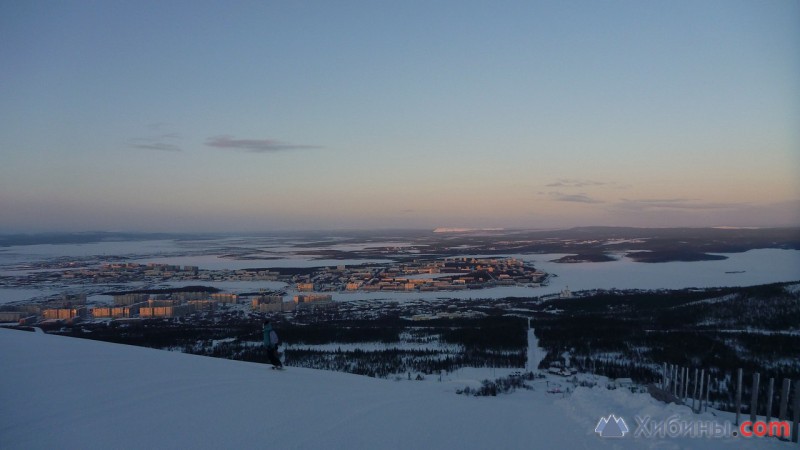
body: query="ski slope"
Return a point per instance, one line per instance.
(59, 392)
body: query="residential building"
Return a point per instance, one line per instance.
(164, 311)
(130, 299)
(221, 297)
(64, 313)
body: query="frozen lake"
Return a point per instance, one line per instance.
(740, 269)
(751, 268)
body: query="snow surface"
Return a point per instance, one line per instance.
(60, 392)
(535, 353)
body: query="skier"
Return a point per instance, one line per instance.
(271, 342)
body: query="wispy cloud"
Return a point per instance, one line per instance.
(162, 142)
(575, 183)
(254, 145)
(574, 198)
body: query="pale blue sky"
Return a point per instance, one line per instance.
(243, 116)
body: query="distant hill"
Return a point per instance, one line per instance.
(78, 238)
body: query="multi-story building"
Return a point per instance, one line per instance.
(116, 312)
(164, 311)
(221, 297)
(271, 303)
(186, 296)
(305, 287)
(201, 305)
(68, 300)
(64, 313)
(130, 299)
(101, 312)
(163, 302)
(11, 316)
(313, 301)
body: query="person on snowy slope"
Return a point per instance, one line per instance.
(271, 342)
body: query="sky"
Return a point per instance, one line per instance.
(260, 116)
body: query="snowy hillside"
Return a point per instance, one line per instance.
(59, 392)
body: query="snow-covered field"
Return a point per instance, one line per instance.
(535, 353)
(59, 392)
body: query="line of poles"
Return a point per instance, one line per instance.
(679, 380)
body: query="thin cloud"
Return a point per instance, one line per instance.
(162, 146)
(573, 198)
(575, 183)
(163, 142)
(254, 145)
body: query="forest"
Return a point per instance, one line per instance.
(632, 334)
(611, 333)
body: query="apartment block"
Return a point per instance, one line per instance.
(311, 301)
(116, 312)
(271, 303)
(65, 313)
(164, 311)
(305, 287)
(225, 298)
(201, 305)
(130, 299)
(11, 316)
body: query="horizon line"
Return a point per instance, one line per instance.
(435, 230)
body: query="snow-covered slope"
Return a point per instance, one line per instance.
(59, 392)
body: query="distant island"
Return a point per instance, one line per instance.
(584, 258)
(672, 256)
